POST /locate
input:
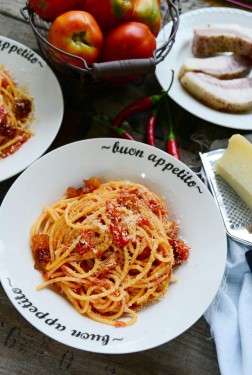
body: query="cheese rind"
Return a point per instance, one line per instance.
(235, 167)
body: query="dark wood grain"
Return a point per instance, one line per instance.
(23, 349)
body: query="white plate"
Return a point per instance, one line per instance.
(183, 48)
(193, 207)
(29, 70)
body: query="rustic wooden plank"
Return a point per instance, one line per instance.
(16, 30)
(12, 8)
(25, 350)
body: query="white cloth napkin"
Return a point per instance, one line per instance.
(230, 314)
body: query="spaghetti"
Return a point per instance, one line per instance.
(16, 107)
(109, 248)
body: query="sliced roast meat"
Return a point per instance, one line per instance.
(232, 96)
(222, 66)
(212, 39)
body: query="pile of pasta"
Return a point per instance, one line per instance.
(16, 114)
(109, 248)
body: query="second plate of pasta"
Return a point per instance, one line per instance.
(27, 82)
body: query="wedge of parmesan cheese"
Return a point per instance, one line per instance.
(235, 167)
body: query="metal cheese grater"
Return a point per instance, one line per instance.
(237, 216)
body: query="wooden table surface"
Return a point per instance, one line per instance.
(25, 350)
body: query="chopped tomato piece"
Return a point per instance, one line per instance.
(157, 208)
(119, 324)
(180, 250)
(7, 130)
(22, 108)
(118, 231)
(90, 185)
(86, 242)
(144, 221)
(40, 249)
(93, 182)
(119, 234)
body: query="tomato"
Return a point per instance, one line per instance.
(130, 40)
(76, 32)
(109, 13)
(148, 12)
(50, 9)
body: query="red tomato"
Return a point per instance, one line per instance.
(109, 13)
(50, 9)
(76, 32)
(131, 40)
(148, 12)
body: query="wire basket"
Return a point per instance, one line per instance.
(98, 73)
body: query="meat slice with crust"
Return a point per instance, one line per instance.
(212, 39)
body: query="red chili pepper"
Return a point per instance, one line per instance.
(151, 126)
(141, 105)
(171, 144)
(135, 107)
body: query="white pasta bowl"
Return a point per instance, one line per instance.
(188, 201)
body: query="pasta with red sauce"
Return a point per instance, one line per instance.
(16, 112)
(109, 248)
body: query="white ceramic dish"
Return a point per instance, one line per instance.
(187, 200)
(30, 71)
(182, 49)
